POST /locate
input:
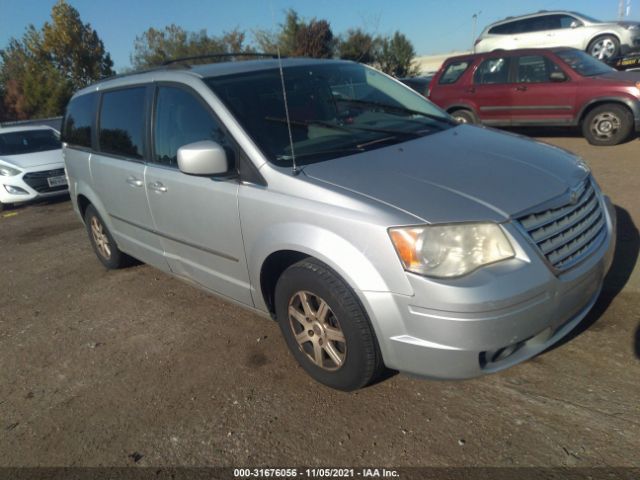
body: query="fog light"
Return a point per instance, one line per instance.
(15, 190)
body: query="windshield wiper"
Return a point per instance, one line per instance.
(319, 123)
(356, 149)
(344, 128)
(396, 108)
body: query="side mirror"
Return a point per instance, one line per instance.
(203, 158)
(575, 24)
(558, 77)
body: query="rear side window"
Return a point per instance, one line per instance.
(453, 72)
(534, 69)
(77, 127)
(122, 122)
(180, 119)
(492, 70)
(504, 29)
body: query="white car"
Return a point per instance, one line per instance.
(31, 164)
(603, 40)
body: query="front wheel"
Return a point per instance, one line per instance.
(604, 47)
(325, 327)
(607, 125)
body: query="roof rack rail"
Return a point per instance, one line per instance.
(220, 55)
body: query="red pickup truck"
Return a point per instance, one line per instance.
(541, 87)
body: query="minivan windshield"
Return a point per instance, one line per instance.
(335, 109)
(28, 141)
(583, 63)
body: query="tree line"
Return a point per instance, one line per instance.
(40, 71)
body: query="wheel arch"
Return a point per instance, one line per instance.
(633, 106)
(272, 257)
(463, 106)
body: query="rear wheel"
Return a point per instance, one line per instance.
(604, 47)
(608, 124)
(102, 242)
(325, 327)
(464, 116)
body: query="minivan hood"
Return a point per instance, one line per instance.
(28, 160)
(466, 173)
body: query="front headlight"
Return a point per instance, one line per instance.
(450, 250)
(633, 27)
(8, 171)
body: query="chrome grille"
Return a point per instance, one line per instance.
(566, 235)
(38, 180)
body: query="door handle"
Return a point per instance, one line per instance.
(521, 88)
(471, 90)
(158, 187)
(134, 182)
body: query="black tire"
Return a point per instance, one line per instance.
(604, 47)
(115, 258)
(362, 361)
(463, 115)
(608, 124)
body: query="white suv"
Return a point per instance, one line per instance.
(603, 40)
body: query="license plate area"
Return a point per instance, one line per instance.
(58, 181)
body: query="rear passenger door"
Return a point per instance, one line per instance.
(196, 217)
(491, 90)
(118, 169)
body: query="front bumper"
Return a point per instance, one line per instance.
(485, 323)
(34, 182)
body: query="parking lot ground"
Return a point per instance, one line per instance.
(116, 368)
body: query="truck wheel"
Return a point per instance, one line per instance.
(464, 116)
(325, 327)
(608, 124)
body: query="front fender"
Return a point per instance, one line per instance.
(349, 262)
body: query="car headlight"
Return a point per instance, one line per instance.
(450, 250)
(8, 171)
(633, 27)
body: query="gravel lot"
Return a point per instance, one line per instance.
(132, 367)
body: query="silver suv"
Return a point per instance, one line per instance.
(603, 40)
(326, 195)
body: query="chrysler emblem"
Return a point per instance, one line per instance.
(573, 198)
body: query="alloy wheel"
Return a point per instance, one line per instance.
(100, 238)
(603, 49)
(317, 331)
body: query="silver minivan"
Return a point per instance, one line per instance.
(377, 231)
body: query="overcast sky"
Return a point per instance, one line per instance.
(434, 26)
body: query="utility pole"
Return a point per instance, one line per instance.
(474, 17)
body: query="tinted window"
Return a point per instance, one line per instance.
(78, 121)
(28, 141)
(181, 119)
(492, 70)
(537, 24)
(534, 69)
(122, 122)
(567, 20)
(503, 29)
(453, 72)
